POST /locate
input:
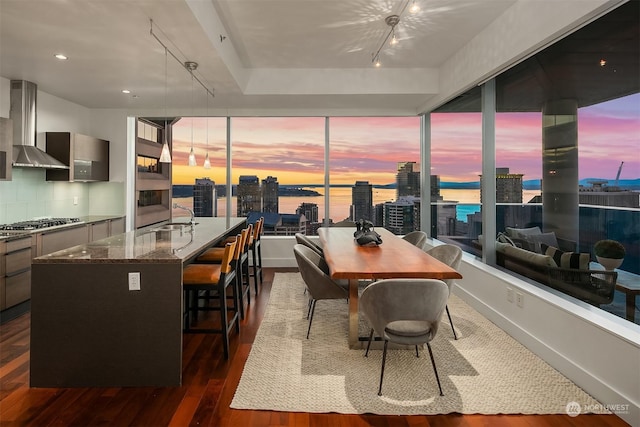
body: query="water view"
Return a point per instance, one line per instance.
(469, 201)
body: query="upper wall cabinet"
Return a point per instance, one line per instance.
(87, 157)
(6, 148)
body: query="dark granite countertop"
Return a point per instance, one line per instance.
(148, 245)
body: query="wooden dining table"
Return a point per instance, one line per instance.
(394, 258)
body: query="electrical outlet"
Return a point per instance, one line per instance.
(510, 295)
(520, 299)
(134, 281)
(75, 200)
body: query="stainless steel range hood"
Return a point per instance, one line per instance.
(23, 114)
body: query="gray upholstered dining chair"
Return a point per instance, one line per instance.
(315, 273)
(304, 240)
(417, 238)
(450, 255)
(404, 311)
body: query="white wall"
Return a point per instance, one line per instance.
(573, 337)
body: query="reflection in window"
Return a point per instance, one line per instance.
(569, 127)
(149, 165)
(456, 166)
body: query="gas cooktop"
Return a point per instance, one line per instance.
(37, 224)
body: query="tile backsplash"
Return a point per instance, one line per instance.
(28, 195)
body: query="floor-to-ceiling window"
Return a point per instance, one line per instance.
(456, 166)
(375, 171)
(198, 187)
(567, 126)
(278, 172)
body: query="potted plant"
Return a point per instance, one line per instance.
(609, 253)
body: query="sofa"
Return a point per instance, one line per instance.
(573, 276)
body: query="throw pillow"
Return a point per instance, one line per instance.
(503, 238)
(538, 240)
(522, 233)
(567, 259)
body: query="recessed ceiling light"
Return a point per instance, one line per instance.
(61, 56)
(126, 91)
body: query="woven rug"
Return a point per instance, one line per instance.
(484, 372)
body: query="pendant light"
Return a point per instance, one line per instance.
(191, 66)
(165, 155)
(207, 162)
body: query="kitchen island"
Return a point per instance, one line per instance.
(109, 313)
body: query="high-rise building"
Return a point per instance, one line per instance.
(362, 201)
(408, 179)
(248, 194)
(204, 198)
(309, 210)
(399, 216)
(508, 186)
(270, 194)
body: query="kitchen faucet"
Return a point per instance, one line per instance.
(193, 221)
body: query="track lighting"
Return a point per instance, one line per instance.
(394, 39)
(392, 21)
(165, 156)
(191, 66)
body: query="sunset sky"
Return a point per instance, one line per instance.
(369, 148)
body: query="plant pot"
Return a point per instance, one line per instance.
(609, 263)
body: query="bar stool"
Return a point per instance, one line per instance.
(214, 256)
(209, 278)
(256, 252)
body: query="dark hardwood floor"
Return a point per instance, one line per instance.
(209, 383)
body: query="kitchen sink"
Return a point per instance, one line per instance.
(171, 226)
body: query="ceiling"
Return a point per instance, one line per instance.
(251, 53)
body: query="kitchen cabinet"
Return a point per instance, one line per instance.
(15, 272)
(117, 226)
(6, 148)
(87, 157)
(99, 230)
(56, 240)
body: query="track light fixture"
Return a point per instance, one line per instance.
(392, 21)
(191, 66)
(207, 162)
(165, 155)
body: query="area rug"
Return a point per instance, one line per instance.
(485, 371)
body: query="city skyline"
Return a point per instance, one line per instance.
(292, 148)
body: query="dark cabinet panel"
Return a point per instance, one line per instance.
(6, 148)
(87, 157)
(15, 272)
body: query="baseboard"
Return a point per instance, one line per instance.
(15, 311)
(621, 405)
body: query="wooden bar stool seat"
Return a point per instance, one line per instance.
(256, 253)
(212, 255)
(241, 262)
(208, 283)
